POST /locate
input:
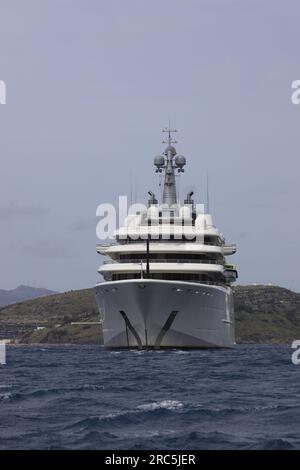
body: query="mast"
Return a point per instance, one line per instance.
(169, 192)
(169, 161)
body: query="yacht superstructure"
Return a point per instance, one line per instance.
(166, 280)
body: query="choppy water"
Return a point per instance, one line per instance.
(84, 397)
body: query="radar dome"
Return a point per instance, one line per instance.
(159, 161)
(180, 161)
(171, 149)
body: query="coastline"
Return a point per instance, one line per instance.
(263, 315)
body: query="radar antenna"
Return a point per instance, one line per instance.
(170, 140)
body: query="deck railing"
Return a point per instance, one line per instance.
(163, 260)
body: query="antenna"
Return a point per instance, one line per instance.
(136, 191)
(169, 131)
(178, 188)
(170, 162)
(130, 181)
(207, 194)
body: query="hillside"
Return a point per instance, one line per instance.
(52, 315)
(264, 314)
(22, 293)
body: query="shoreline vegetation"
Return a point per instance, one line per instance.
(263, 314)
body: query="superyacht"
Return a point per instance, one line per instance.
(167, 283)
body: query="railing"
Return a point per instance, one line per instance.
(209, 283)
(133, 242)
(163, 260)
(166, 240)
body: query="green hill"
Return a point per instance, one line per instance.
(263, 314)
(53, 316)
(266, 314)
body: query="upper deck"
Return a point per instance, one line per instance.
(169, 239)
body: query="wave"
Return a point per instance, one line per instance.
(164, 404)
(272, 444)
(65, 394)
(6, 396)
(169, 399)
(5, 386)
(125, 416)
(168, 405)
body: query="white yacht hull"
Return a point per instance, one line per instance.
(148, 313)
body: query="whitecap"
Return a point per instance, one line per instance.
(5, 396)
(164, 404)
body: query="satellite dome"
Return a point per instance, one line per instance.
(171, 149)
(159, 161)
(180, 161)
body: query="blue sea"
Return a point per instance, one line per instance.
(86, 397)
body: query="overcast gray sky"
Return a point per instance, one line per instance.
(90, 84)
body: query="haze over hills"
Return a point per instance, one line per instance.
(22, 293)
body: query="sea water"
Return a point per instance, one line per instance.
(86, 397)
